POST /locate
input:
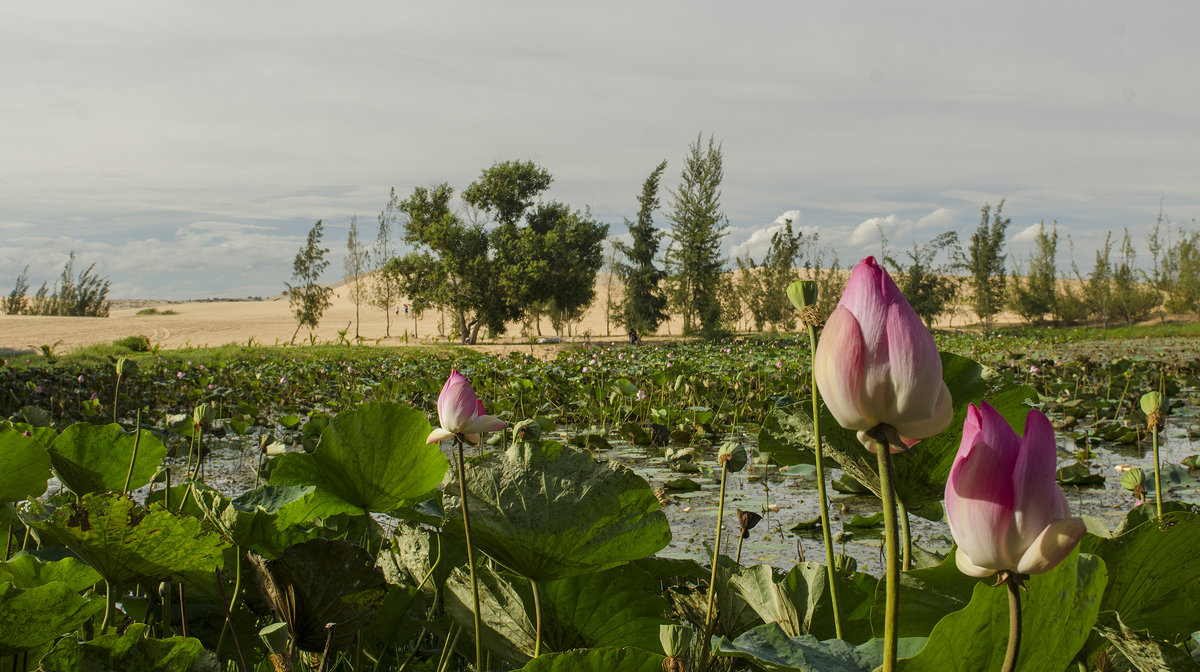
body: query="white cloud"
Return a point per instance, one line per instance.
(898, 230)
(1028, 234)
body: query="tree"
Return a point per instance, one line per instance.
(449, 266)
(357, 258)
(763, 289)
(14, 303)
(985, 261)
(643, 307)
(928, 287)
(384, 289)
(694, 256)
(572, 246)
(1131, 300)
(1035, 296)
(308, 299)
(1097, 291)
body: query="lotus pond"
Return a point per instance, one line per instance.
(264, 508)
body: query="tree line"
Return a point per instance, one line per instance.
(74, 294)
(510, 257)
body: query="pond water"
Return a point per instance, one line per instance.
(785, 497)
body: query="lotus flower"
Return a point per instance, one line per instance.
(1004, 508)
(460, 413)
(877, 365)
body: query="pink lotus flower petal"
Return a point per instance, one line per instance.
(461, 413)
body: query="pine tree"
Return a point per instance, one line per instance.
(694, 257)
(643, 306)
(985, 261)
(357, 257)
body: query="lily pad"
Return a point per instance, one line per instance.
(769, 647)
(1078, 474)
(26, 466)
(550, 514)
(95, 458)
(372, 459)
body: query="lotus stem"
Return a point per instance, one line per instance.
(137, 440)
(822, 498)
(905, 536)
(537, 610)
(116, 391)
(1014, 626)
(462, 494)
(108, 604)
(738, 559)
(1158, 493)
(709, 615)
(883, 452)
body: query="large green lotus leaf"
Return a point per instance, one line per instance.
(598, 660)
(926, 596)
(920, 474)
(372, 459)
(799, 600)
(95, 458)
(318, 582)
(1154, 576)
(769, 647)
(31, 617)
(550, 514)
(27, 571)
(617, 607)
(266, 519)
(26, 466)
(414, 552)
(130, 651)
(129, 543)
(1057, 613)
(1145, 653)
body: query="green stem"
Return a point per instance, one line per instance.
(116, 390)
(712, 583)
(137, 440)
(905, 536)
(883, 453)
(462, 494)
(741, 538)
(108, 604)
(1157, 473)
(1014, 628)
(537, 610)
(822, 498)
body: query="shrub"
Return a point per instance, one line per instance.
(135, 343)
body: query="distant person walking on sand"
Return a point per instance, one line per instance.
(634, 339)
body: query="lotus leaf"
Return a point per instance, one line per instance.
(26, 466)
(27, 571)
(129, 543)
(1057, 610)
(1145, 653)
(799, 600)
(131, 650)
(266, 519)
(769, 647)
(553, 514)
(373, 459)
(33, 616)
(318, 582)
(95, 458)
(598, 660)
(1154, 575)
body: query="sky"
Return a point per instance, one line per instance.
(186, 148)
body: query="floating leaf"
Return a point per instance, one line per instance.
(26, 466)
(682, 485)
(550, 516)
(95, 458)
(1078, 474)
(372, 459)
(769, 647)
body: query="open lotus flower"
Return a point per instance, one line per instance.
(460, 413)
(1004, 508)
(877, 366)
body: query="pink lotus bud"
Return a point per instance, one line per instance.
(460, 413)
(1004, 508)
(877, 364)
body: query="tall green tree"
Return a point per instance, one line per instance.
(308, 298)
(643, 306)
(696, 267)
(929, 286)
(449, 266)
(384, 289)
(1132, 300)
(355, 265)
(1035, 295)
(985, 262)
(762, 289)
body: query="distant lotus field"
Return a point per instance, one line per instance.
(650, 507)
